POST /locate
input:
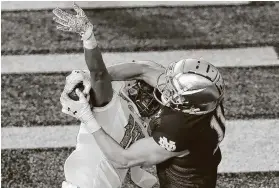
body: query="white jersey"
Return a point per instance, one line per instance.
(87, 167)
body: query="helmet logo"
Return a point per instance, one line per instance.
(191, 91)
(170, 146)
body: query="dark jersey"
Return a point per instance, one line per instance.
(199, 134)
(176, 131)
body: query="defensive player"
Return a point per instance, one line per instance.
(186, 131)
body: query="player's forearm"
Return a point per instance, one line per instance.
(112, 150)
(100, 78)
(143, 153)
(136, 71)
(126, 71)
(93, 56)
(119, 157)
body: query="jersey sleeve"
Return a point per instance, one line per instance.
(172, 133)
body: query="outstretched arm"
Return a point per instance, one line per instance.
(139, 70)
(100, 78)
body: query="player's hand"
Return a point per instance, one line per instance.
(75, 78)
(66, 184)
(73, 23)
(78, 109)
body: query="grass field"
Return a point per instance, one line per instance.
(30, 100)
(145, 29)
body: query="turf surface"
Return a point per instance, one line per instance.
(44, 168)
(145, 29)
(250, 93)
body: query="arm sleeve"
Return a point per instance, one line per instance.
(172, 133)
(100, 78)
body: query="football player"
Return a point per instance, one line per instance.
(185, 132)
(87, 167)
(192, 119)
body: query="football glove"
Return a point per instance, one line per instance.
(73, 23)
(78, 109)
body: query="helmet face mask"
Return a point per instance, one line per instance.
(191, 86)
(141, 94)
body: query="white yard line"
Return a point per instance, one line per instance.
(39, 137)
(67, 62)
(36, 5)
(249, 145)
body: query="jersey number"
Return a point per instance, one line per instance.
(218, 124)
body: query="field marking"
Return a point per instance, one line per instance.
(67, 62)
(37, 5)
(249, 145)
(39, 137)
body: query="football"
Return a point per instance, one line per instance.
(73, 94)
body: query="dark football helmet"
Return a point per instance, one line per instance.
(190, 85)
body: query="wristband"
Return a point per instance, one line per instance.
(88, 32)
(92, 125)
(91, 42)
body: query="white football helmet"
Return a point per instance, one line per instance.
(190, 85)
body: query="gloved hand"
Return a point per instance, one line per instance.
(66, 184)
(79, 109)
(75, 78)
(74, 23)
